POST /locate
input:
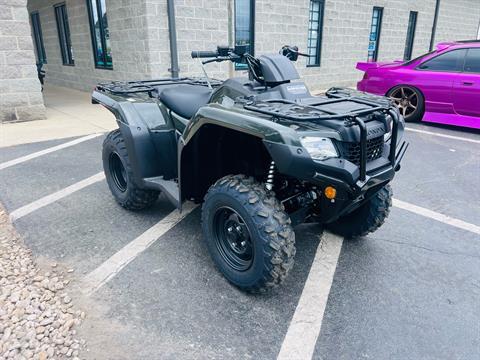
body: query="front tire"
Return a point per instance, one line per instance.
(248, 233)
(367, 218)
(119, 175)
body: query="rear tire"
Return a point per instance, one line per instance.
(119, 175)
(410, 102)
(248, 233)
(367, 218)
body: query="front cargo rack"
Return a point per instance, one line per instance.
(298, 111)
(313, 111)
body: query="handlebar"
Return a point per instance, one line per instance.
(204, 54)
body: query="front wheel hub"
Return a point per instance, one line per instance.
(406, 99)
(232, 238)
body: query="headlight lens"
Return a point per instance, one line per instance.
(388, 134)
(319, 148)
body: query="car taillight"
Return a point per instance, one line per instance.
(365, 75)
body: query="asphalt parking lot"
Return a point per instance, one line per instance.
(409, 291)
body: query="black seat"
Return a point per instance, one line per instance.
(185, 100)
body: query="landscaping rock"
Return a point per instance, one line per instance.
(37, 316)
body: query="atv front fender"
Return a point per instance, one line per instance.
(240, 120)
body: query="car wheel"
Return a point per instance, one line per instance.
(248, 234)
(409, 101)
(119, 175)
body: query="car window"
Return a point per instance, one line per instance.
(418, 58)
(449, 61)
(472, 61)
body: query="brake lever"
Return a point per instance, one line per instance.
(217, 59)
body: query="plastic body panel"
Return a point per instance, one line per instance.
(149, 136)
(277, 68)
(157, 138)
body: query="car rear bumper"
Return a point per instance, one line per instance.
(362, 85)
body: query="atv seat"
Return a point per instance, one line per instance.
(185, 100)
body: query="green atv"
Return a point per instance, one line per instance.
(261, 153)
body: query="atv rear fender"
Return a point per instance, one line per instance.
(145, 129)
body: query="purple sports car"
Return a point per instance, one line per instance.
(442, 86)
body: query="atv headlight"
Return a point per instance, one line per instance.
(319, 148)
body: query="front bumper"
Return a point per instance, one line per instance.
(354, 183)
(345, 178)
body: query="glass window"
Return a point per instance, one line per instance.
(315, 25)
(375, 29)
(245, 27)
(449, 61)
(102, 52)
(412, 24)
(472, 61)
(38, 38)
(64, 34)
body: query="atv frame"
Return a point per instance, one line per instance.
(241, 148)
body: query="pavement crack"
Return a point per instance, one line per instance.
(430, 249)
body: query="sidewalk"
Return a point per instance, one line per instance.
(69, 113)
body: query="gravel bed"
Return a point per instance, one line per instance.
(37, 316)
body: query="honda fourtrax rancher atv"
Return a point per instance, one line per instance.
(260, 153)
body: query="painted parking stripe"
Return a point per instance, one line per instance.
(437, 216)
(443, 135)
(112, 266)
(34, 155)
(49, 199)
(304, 328)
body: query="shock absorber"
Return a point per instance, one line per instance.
(270, 176)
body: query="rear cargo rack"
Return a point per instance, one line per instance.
(149, 86)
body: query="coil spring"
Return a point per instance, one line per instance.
(270, 176)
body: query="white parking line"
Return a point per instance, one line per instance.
(34, 155)
(443, 135)
(47, 200)
(305, 326)
(112, 266)
(437, 216)
(302, 334)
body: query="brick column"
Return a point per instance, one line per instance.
(20, 89)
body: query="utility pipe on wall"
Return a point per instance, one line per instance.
(434, 27)
(172, 34)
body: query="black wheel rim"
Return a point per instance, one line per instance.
(119, 175)
(406, 100)
(232, 239)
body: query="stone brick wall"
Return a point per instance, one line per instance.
(20, 90)
(129, 38)
(140, 42)
(458, 20)
(201, 25)
(139, 39)
(346, 32)
(347, 27)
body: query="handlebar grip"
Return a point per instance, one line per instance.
(204, 54)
